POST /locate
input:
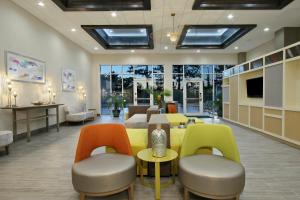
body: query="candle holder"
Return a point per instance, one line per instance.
(9, 88)
(15, 97)
(53, 97)
(49, 93)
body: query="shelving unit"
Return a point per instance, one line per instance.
(276, 114)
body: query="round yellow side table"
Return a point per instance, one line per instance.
(146, 155)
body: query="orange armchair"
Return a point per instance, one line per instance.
(94, 136)
(91, 173)
(171, 108)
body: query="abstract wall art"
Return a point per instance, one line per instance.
(26, 69)
(68, 80)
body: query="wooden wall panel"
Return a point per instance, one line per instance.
(244, 115)
(233, 84)
(292, 125)
(273, 112)
(226, 111)
(273, 125)
(256, 117)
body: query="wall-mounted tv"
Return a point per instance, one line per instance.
(255, 87)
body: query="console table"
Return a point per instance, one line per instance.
(28, 118)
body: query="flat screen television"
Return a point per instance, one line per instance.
(255, 87)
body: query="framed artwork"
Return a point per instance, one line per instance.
(25, 69)
(68, 80)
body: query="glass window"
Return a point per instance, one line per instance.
(105, 92)
(158, 69)
(178, 69)
(116, 83)
(207, 92)
(124, 36)
(116, 69)
(105, 69)
(178, 91)
(192, 71)
(128, 69)
(208, 36)
(143, 71)
(218, 68)
(128, 89)
(207, 69)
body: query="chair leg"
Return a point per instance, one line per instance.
(7, 149)
(131, 192)
(82, 196)
(186, 194)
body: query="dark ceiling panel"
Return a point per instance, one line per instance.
(103, 5)
(211, 36)
(240, 4)
(122, 36)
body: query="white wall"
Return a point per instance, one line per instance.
(261, 50)
(165, 59)
(24, 34)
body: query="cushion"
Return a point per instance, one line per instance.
(76, 117)
(6, 138)
(212, 175)
(137, 121)
(176, 119)
(89, 114)
(103, 173)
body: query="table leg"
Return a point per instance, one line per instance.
(57, 119)
(173, 170)
(47, 119)
(14, 122)
(141, 171)
(28, 126)
(157, 180)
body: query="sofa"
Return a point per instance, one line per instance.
(139, 116)
(78, 114)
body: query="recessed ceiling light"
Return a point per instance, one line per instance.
(198, 51)
(113, 14)
(236, 48)
(169, 35)
(41, 3)
(96, 48)
(166, 47)
(230, 16)
(73, 29)
(266, 29)
(132, 51)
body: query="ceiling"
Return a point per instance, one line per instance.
(160, 18)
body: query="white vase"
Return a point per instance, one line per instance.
(159, 142)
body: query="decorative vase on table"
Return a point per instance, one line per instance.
(159, 142)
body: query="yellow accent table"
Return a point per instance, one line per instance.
(146, 155)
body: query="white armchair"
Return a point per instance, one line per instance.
(77, 114)
(6, 138)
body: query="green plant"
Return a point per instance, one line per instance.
(159, 95)
(116, 101)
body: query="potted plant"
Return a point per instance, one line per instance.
(159, 96)
(117, 101)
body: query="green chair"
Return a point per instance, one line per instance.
(211, 176)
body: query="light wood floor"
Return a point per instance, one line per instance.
(40, 170)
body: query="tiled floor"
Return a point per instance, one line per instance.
(40, 170)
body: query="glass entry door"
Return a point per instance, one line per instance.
(193, 97)
(141, 95)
